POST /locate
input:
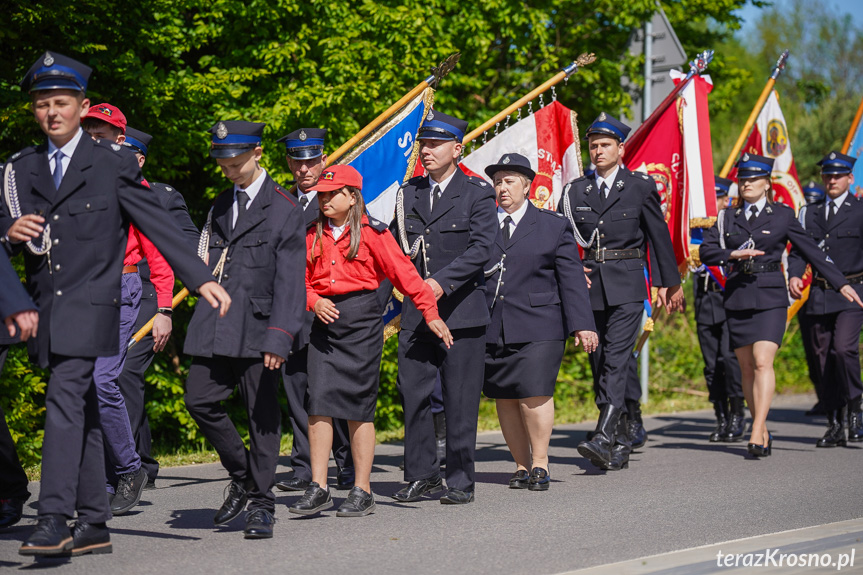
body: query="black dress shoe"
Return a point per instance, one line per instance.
(90, 538)
(293, 484)
(259, 524)
(50, 537)
(416, 489)
(314, 500)
(358, 504)
(456, 497)
(345, 478)
(540, 480)
(11, 511)
(519, 479)
(235, 502)
(129, 490)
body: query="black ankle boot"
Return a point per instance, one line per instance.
(440, 436)
(855, 421)
(720, 408)
(835, 435)
(736, 422)
(635, 426)
(598, 449)
(622, 445)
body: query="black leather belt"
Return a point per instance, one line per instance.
(852, 279)
(606, 254)
(751, 267)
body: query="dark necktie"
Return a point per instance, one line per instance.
(435, 196)
(831, 210)
(753, 212)
(603, 191)
(242, 200)
(506, 235)
(304, 201)
(58, 168)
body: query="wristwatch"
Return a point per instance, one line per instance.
(166, 311)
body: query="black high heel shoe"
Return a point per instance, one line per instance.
(761, 450)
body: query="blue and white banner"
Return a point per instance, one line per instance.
(855, 150)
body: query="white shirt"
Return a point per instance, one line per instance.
(252, 191)
(516, 216)
(68, 149)
(759, 205)
(837, 202)
(608, 180)
(442, 185)
(337, 230)
(308, 195)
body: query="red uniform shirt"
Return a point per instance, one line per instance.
(379, 257)
(139, 247)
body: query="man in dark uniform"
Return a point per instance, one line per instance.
(814, 193)
(721, 368)
(132, 380)
(15, 307)
(615, 214)
(447, 222)
(306, 160)
(255, 240)
(837, 226)
(78, 196)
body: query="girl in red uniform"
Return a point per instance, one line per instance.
(348, 256)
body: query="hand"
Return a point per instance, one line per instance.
(326, 310)
(588, 339)
(442, 331)
(26, 228)
(587, 277)
(436, 289)
(795, 287)
(216, 296)
(745, 254)
(673, 299)
(273, 361)
(849, 292)
(28, 323)
(162, 326)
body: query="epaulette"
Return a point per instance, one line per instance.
(284, 194)
(578, 179)
(107, 144)
(777, 204)
(551, 213)
(414, 181)
(478, 181)
(644, 176)
(377, 224)
(163, 186)
(22, 153)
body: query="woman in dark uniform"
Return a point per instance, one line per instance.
(538, 296)
(751, 239)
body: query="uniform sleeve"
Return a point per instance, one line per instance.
(161, 274)
(660, 240)
(289, 301)
(13, 296)
(176, 206)
(569, 271)
(312, 296)
(482, 229)
(401, 272)
(711, 252)
(796, 261)
(809, 250)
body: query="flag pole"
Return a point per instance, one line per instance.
(582, 60)
(850, 137)
(438, 73)
(765, 93)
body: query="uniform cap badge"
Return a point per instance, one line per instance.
(430, 116)
(832, 155)
(328, 175)
(506, 160)
(303, 135)
(602, 117)
(745, 157)
(49, 59)
(221, 131)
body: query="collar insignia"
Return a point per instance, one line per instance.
(588, 188)
(116, 147)
(619, 184)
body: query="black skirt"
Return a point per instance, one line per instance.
(745, 327)
(522, 370)
(345, 359)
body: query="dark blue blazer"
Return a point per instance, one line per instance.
(630, 218)
(771, 231)
(541, 290)
(842, 241)
(458, 238)
(101, 194)
(709, 305)
(264, 274)
(13, 296)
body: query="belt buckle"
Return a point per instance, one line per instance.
(748, 266)
(600, 255)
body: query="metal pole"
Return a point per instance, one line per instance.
(648, 70)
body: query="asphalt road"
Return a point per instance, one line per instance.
(679, 493)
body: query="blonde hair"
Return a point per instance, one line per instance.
(354, 221)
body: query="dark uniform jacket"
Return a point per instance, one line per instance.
(13, 296)
(540, 285)
(842, 241)
(458, 239)
(630, 218)
(310, 216)
(709, 306)
(771, 231)
(263, 273)
(101, 193)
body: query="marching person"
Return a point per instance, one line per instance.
(77, 196)
(752, 238)
(615, 213)
(21, 321)
(814, 193)
(446, 221)
(304, 150)
(835, 323)
(348, 255)
(721, 368)
(154, 306)
(537, 296)
(254, 238)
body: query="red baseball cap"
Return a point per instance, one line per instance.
(337, 177)
(108, 113)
